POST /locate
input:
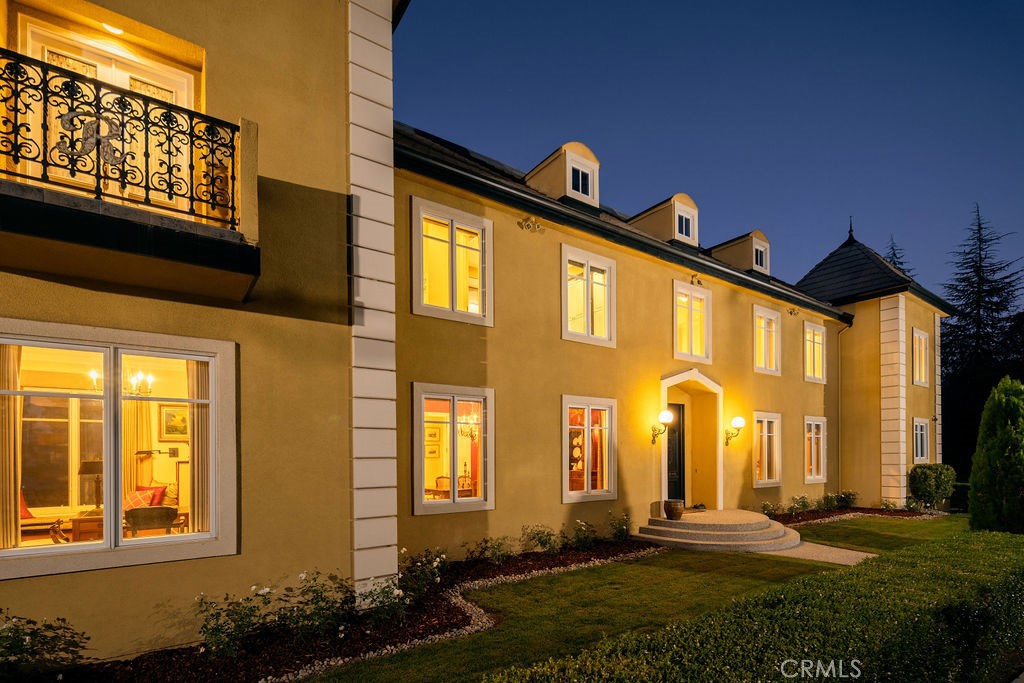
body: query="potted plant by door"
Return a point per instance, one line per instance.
(674, 508)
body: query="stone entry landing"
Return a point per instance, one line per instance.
(737, 531)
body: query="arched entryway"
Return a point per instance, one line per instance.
(699, 400)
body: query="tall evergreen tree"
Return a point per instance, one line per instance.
(895, 255)
(984, 290)
(977, 348)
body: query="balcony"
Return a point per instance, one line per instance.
(97, 179)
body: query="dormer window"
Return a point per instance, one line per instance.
(570, 171)
(581, 178)
(686, 223)
(684, 228)
(761, 260)
(580, 181)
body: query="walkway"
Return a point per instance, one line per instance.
(824, 553)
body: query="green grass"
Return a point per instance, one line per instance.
(561, 614)
(882, 534)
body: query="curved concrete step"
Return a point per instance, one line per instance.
(789, 539)
(773, 530)
(716, 520)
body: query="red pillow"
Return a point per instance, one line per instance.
(158, 492)
(25, 513)
(137, 499)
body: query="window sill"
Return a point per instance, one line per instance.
(815, 480)
(568, 498)
(918, 383)
(767, 484)
(448, 508)
(587, 339)
(454, 316)
(815, 380)
(693, 359)
(766, 371)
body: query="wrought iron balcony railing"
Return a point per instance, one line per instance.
(80, 134)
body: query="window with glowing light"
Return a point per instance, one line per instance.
(588, 297)
(106, 445)
(454, 449)
(814, 352)
(815, 444)
(920, 440)
(692, 322)
(767, 445)
(920, 358)
(451, 263)
(766, 340)
(588, 449)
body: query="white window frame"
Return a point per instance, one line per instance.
(679, 286)
(822, 476)
(112, 550)
(681, 210)
(919, 358)
(611, 405)
(576, 161)
(777, 455)
(422, 207)
(421, 506)
(921, 426)
(808, 349)
(767, 313)
(573, 254)
(762, 246)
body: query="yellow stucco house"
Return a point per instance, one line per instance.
(249, 326)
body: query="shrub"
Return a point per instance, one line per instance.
(846, 499)
(30, 647)
(421, 574)
(619, 525)
(225, 625)
(827, 502)
(383, 603)
(932, 483)
(582, 535)
(540, 537)
(914, 504)
(799, 504)
(495, 550)
(997, 469)
(950, 610)
(320, 606)
(889, 505)
(770, 509)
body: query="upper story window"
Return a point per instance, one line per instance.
(766, 340)
(454, 447)
(814, 352)
(762, 262)
(815, 444)
(588, 297)
(686, 224)
(920, 358)
(692, 322)
(588, 445)
(150, 415)
(581, 180)
(767, 447)
(920, 440)
(452, 257)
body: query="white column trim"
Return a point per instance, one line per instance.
(892, 312)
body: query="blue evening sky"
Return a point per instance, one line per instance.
(784, 116)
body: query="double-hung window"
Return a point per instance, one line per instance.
(920, 358)
(815, 445)
(452, 257)
(692, 322)
(588, 449)
(588, 297)
(119, 443)
(453, 467)
(814, 352)
(767, 447)
(766, 340)
(761, 259)
(920, 440)
(581, 179)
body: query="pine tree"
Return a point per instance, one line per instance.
(984, 291)
(897, 258)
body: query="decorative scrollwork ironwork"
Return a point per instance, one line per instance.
(530, 224)
(84, 135)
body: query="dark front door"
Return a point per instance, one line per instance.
(676, 452)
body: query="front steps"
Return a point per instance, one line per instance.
(737, 531)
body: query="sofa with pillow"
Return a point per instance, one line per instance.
(151, 507)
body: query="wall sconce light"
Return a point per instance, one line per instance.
(732, 432)
(664, 419)
(695, 280)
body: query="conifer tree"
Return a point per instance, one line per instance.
(896, 257)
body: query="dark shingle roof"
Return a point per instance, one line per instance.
(856, 272)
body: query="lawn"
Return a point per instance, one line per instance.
(561, 614)
(882, 534)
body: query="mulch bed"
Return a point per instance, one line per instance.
(788, 519)
(271, 654)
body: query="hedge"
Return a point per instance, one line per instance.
(939, 611)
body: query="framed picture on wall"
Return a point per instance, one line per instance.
(432, 434)
(433, 451)
(173, 422)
